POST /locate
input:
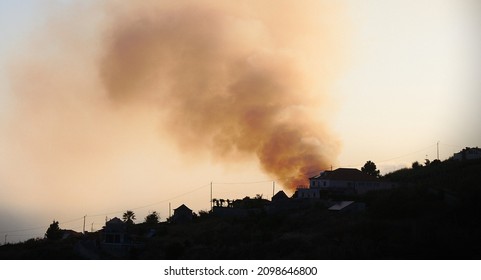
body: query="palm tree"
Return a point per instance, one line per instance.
(129, 217)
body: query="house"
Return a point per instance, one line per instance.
(116, 240)
(280, 196)
(468, 154)
(308, 192)
(281, 203)
(182, 214)
(242, 207)
(68, 233)
(347, 181)
(250, 203)
(115, 232)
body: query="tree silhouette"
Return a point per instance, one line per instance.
(152, 218)
(370, 169)
(53, 232)
(129, 217)
(416, 165)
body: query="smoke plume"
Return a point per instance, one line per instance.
(232, 79)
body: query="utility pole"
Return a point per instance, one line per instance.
(170, 210)
(84, 223)
(438, 149)
(92, 228)
(273, 187)
(211, 202)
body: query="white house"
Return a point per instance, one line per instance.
(345, 181)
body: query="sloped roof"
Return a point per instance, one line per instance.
(114, 225)
(281, 195)
(182, 208)
(115, 220)
(340, 205)
(345, 174)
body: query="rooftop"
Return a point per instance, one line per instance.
(350, 174)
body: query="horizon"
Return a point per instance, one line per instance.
(84, 227)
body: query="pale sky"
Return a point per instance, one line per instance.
(409, 78)
(413, 81)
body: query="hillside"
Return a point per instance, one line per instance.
(433, 214)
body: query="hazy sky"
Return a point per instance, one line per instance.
(395, 78)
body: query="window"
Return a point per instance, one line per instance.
(112, 238)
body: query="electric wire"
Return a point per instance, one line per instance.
(308, 174)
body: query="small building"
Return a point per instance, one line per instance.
(280, 196)
(468, 154)
(116, 239)
(281, 203)
(250, 203)
(68, 233)
(115, 232)
(182, 214)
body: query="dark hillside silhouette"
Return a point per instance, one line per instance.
(433, 213)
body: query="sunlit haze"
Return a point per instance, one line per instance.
(112, 107)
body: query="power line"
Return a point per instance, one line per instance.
(242, 183)
(408, 154)
(38, 227)
(152, 204)
(393, 158)
(103, 214)
(307, 174)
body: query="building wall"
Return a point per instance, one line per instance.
(468, 154)
(318, 183)
(308, 193)
(344, 186)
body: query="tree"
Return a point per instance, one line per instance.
(153, 218)
(129, 217)
(416, 165)
(203, 213)
(370, 169)
(53, 232)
